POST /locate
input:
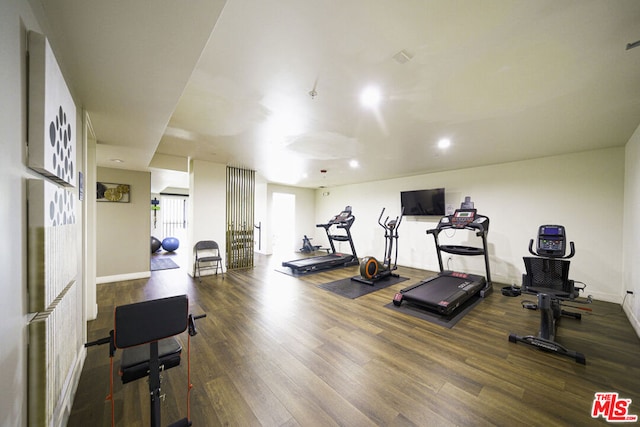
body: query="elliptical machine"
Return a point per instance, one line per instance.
(372, 270)
(547, 276)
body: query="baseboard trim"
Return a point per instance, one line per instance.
(635, 322)
(123, 277)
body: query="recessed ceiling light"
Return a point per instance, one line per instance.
(444, 143)
(117, 160)
(354, 163)
(370, 97)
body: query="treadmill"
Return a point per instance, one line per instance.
(449, 290)
(344, 221)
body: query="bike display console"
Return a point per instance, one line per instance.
(450, 289)
(551, 241)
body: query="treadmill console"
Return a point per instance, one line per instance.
(343, 217)
(463, 217)
(552, 241)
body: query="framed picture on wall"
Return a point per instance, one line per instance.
(110, 192)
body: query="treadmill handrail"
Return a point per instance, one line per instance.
(479, 228)
(338, 222)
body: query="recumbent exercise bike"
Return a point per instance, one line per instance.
(547, 276)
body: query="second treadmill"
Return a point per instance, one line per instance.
(344, 220)
(450, 289)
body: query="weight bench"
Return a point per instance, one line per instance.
(146, 333)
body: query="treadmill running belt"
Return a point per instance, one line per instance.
(445, 292)
(319, 263)
(303, 262)
(437, 290)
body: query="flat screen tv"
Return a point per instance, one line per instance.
(423, 202)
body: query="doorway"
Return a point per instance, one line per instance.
(283, 214)
(171, 220)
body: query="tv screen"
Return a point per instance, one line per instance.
(423, 202)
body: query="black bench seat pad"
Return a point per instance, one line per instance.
(135, 360)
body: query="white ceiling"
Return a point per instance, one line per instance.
(229, 82)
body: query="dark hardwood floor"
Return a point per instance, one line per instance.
(275, 350)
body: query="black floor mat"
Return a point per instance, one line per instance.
(351, 289)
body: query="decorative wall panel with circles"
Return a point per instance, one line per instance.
(52, 116)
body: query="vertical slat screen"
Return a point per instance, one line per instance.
(240, 208)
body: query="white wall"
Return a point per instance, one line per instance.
(207, 201)
(122, 233)
(304, 218)
(631, 235)
(260, 215)
(14, 15)
(583, 191)
(89, 222)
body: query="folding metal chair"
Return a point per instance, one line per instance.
(207, 256)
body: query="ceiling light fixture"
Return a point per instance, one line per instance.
(444, 143)
(117, 160)
(354, 164)
(370, 97)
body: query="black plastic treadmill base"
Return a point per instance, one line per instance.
(319, 263)
(433, 317)
(444, 293)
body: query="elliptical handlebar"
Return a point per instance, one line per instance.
(396, 222)
(385, 221)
